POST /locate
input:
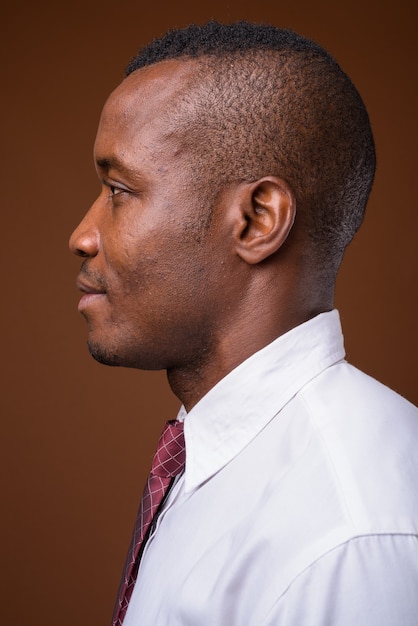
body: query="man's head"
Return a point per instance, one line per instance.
(235, 163)
(267, 101)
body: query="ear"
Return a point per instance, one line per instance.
(267, 214)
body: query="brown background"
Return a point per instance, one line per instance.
(77, 437)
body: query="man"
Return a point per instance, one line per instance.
(236, 162)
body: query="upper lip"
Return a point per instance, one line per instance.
(86, 287)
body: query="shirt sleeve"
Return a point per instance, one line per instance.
(368, 581)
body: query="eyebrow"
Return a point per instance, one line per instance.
(108, 163)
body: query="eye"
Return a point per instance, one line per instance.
(114, 191)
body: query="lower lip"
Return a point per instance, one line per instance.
(89, 299)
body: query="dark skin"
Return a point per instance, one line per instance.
(159, 294)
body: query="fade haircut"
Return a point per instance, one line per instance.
(266, 101)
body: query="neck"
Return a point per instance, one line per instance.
(192, 381)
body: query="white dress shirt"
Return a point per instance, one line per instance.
(299, 501)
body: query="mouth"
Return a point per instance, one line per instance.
(91, 293)
(88, 288)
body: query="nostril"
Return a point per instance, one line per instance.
(80, 252)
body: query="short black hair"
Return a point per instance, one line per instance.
(267, 101)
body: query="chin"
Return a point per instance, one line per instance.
(103, 356)
(137, 359)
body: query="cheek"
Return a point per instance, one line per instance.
(152, 256)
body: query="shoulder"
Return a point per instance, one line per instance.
(346, 388)
(369, 434)
(367, 581)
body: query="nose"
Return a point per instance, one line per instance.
(85, 240)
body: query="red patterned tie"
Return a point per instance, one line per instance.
(168, 462)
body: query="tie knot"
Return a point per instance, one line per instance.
(170, 457)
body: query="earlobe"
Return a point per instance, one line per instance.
(268, 212)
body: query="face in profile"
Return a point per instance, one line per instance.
(150, 279)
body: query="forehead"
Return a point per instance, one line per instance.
(138, 110)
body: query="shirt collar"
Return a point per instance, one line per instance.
(233, 412)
